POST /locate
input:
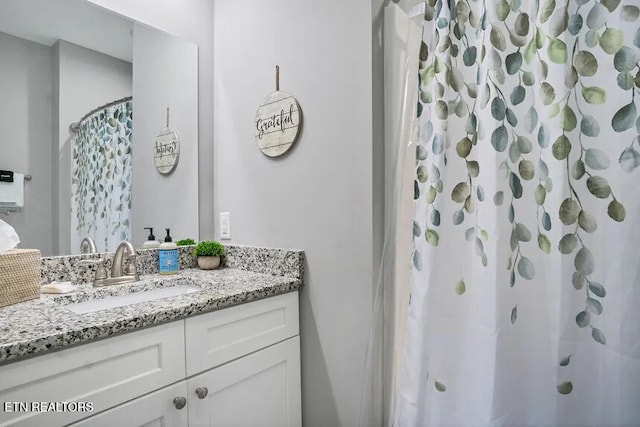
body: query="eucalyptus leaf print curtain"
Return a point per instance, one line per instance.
(525, 295)
(101, 178)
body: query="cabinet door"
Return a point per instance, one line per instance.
(258, 390)
(106, 373)
(156, 409)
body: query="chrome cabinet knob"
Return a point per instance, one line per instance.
(179, 402)
(202, 392)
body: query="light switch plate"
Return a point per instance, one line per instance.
(225, 225)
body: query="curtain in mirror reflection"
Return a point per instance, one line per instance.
(101, 178)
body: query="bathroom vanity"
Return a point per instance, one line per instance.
(226, 354)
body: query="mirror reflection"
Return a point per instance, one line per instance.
(85, 95)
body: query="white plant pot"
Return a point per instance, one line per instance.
(208, 262)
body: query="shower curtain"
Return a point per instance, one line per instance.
(101, 178)
(525, 290)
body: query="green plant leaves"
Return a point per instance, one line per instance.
(513, 62)
(557, 51)
(598, 335)
(583, 318)
(616, 211)
(567, 244)
(498, 108)
(597, 16)
(629, 159)
(544, 243)
(565, 387)
(566, 360)
(561, 147)
(547, 10)
(611, 40)
(460, 192)
(594, 94)
(422, 174)
(585, 63)
(569, 211)
(624, 118)
(625, 59)
(460, 287)
(514, 314)
(497, 39)
(521, 24)
(540, 194)
(599, 187)
(568, 119)
(596, 159)
(630, 13)
(587, 222)
(432, 237)
(547, 93)
(579, 280)
(597, 289)
(463, 147)
(527, 169)
(594, 306)
(589, 126)
(611, 5)
(417, 261)
(515, 185)
(584, 262)
(526, 269)
(440, 387)
(517, 95)
(500, 138)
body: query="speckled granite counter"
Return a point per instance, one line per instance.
(46, 324)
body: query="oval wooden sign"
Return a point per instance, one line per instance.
(277, 123)
(166, 151)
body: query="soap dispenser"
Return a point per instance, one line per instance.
(168, 255)
(151, 242)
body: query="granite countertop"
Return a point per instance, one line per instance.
(45, 324)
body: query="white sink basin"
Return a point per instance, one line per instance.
(133, 298)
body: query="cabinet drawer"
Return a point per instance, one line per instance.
(218, 337)
(105, 373)
(153, 410)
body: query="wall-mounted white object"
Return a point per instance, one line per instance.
(277, 122)
(225, 226)
(166, 149)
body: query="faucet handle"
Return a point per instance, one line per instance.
(132, 269)
(101, 271)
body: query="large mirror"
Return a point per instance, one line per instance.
(86, 95)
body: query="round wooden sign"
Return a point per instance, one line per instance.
(166, 151)
(277, 123)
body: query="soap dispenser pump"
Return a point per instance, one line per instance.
(168, 255)
(151, 242)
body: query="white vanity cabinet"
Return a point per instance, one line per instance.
(238, 366)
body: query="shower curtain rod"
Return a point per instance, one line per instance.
(73, 126)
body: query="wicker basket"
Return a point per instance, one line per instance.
(19, 276)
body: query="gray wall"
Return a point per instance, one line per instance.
(164, 201)
(25, 120)
(84, 80)
(319, 197)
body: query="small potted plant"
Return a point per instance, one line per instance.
(208, 253)
(186, 242)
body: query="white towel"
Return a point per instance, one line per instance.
(12, 193)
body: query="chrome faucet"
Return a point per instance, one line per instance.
(119, 274)
(87, 246)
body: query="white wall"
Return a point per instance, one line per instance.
(84, 80)
(25, 120)
(164, 201)
(319, 197)
(190, 20)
